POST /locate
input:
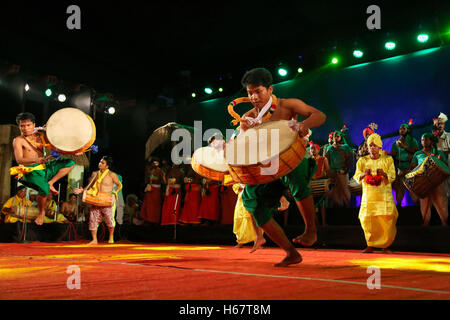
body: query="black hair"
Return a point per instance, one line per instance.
(72, 194)
(257, 77)
(25, 116)
(109, 161)
(21, 187)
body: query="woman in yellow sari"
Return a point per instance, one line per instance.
(378, 213)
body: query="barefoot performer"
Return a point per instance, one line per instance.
(35, 169)
(261, 199)
(101, 186)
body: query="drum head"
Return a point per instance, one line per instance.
(210, 158)
(70, 129)
(260, 144)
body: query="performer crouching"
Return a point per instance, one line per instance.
(101, 185)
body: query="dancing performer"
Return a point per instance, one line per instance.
(378, 213)
(35, 169)
(437, 196)
(260, 200)
(151, 208)
(102, 181)
(402, 151)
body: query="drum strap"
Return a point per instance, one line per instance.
(93, 191)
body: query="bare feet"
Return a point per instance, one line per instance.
(368, 250)
(306, 239)
(39, 220)
(258, 244)
(93, 242)
(110, 241)
(52, 189)
(239, 245)
(291, 258)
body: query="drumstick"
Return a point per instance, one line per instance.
(78, 199)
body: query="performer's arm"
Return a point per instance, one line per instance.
(314, 117)
(81, 190)
(117, 183)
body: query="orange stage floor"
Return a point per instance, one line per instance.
(138, 271)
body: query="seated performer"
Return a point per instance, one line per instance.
(13, 204)
(261, 200)
(70, 208)
(37, 171)
(51, 209)
(102, 181)
(437, 196)
(402, 151)
(378, 213)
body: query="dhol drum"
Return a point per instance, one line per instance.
(103, 199)
(264, 153)
(31, 212)
(355, 187)
(426, 176)
(319, 187)
(70, 131)
(209, 163)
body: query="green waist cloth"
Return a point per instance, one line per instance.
(263, 199)
(38, 179)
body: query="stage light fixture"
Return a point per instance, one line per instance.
(48, 92)
(422, 38)
(27, 87)
(299, 70)
(62, 97)
(110, 110)
(193, 95)
(390, 45)
(334, 60)
(220, 89)
(282, 72)
(358, 53)
(208, 90)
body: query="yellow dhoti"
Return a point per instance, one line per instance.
(379, 231)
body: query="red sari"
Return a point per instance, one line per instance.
(172, 204)
(191, 207)
(210, 206)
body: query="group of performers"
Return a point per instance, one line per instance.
(377, 170)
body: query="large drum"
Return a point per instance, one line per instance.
(426, 176)
(70, 130)
(31, 212)
(319, 187)
(264, 153)
(209, 163)
(103, 199)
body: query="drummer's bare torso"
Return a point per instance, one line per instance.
(26, 153)
(107, 183)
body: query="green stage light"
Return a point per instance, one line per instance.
(422, 38)
(389, 45)
(220, 89)
(193, 95)
(208, 90)
(48, 92)
(334, 60)
(282, 72)
(299, 70)
(358, 53)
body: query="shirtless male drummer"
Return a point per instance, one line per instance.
(39, 172)
(262, 199)
(102, 180)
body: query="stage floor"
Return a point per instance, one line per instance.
(137, 271)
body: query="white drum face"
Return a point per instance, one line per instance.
(69, 129)
(260, 144)
(210, 158)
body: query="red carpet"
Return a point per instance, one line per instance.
(138, 271)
